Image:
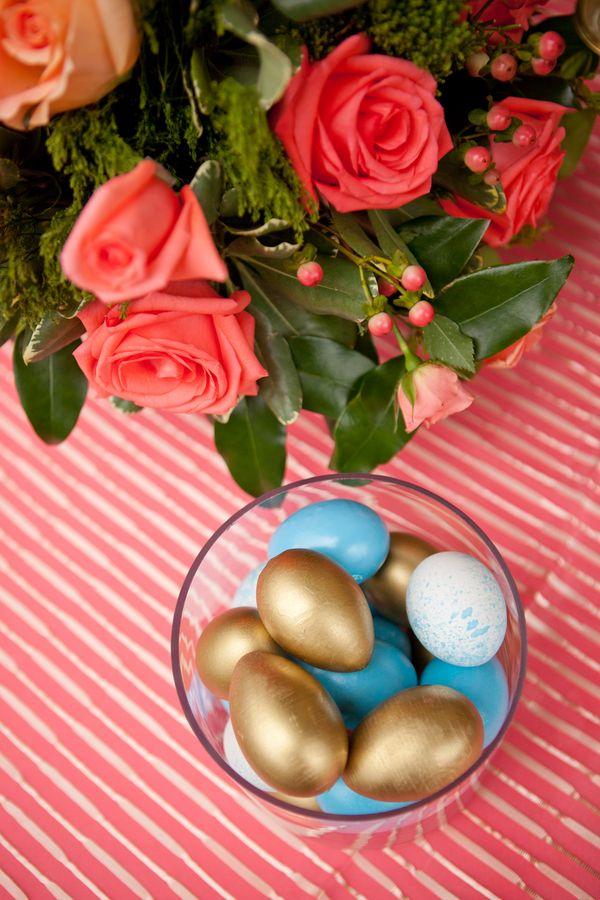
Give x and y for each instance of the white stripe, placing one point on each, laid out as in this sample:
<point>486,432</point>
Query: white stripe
<point>438,890</point>
<point>50,886</point>
<point>12,889</point>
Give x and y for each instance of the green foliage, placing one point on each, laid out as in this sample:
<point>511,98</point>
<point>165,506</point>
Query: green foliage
<point>253,160</point>
<point>252,443</point>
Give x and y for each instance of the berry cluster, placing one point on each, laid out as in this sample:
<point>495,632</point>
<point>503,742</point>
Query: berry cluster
<point>539,55</point>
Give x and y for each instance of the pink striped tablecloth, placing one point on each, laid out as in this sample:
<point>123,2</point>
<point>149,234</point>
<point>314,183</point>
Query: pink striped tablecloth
<point>104,789</point>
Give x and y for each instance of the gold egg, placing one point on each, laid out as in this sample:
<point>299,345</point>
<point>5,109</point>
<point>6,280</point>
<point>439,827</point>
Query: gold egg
<point>288,727</point>
<point>587,23</point>
<point>387,588</point>
<point>303,802</point>
<point>315,610</point>
<point>224,641</point>
<point>414,744</point>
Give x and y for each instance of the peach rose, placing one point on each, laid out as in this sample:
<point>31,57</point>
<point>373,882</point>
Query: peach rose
<point>60,54</point>
<point>135,235</point>
<point>185,349</point>
<point>364,130</point>
<point>438,393</point>
<point>527,175</point>
<point>511,356</point>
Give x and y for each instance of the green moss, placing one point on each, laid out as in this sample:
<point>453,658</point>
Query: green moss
<point>254,161</point>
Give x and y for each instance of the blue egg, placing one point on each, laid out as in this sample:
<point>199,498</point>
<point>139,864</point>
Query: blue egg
<point>348,532</point>
<point>246,592</point>
<point>392,634</point>
<point>357,693</point>
<point>485,686</point>
<point>341,800</point>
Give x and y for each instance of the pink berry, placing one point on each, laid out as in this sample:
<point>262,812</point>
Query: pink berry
<point>551,45</point>
<point>309,274</point>
<point>524,136</point>
<point>477,159</point>
<point>542,66</point>
<point>386,287</point>
<point>413,278</point>
<point>504,67</point>
<point>421,314</point>
<point>380,324</point>
<point>476,62</point>
<point>492,177</point>
<point>498,118</point>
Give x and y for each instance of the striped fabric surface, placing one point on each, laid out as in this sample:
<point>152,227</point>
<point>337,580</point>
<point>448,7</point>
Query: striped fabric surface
<point>105,791</point>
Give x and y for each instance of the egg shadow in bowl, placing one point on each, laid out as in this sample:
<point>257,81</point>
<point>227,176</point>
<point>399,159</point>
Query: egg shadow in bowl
<point>240,544</point>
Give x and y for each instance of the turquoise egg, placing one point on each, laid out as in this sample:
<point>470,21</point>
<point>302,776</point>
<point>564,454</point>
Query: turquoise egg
<point>341,800</point>
<point>348,532</point>
<point>485,686</point>
<point>392,634</point>
<point>357,693</point>
<point>246,592</point>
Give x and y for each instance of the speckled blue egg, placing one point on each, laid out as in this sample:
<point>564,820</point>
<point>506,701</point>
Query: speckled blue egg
<point>341,800</point>
<point>391,633</point>
<point>246,592</point>
<point>238,762</point>
<point>485,686</point>
<point>357,693</point>
<point>348,532</point>
<point>456,608</point>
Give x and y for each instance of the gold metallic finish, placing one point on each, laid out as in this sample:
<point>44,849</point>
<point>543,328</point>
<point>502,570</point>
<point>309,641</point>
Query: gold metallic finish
<point>224,641</point>
<point>288,727</point>
<point>387,588</point>
<point>587,23</point>
<point>414,744</point>
<point>303,802</point>
<point>315,610</point>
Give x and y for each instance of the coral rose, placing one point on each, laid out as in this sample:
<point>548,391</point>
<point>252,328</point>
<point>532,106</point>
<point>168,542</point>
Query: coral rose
<point>527,175</point>
<point>185,349</point>
<point>365,131</point>
<point>60,54</point>
<point>437,392</point>
<point>507,13</point>
<point>511,356</point>
<point>135,235</point>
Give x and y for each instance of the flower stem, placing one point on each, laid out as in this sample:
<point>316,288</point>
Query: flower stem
<point>411,360</point>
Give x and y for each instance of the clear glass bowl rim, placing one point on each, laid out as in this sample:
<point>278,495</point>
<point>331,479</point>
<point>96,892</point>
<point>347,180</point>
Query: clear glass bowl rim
<point>268,798</point>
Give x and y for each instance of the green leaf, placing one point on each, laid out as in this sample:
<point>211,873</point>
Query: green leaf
<point>390,243</point>
<point>259,230</point>
<point>348,228</point>
<point>368,432</point>
<point>9,174</point>
<point>339,293</point>
<point>578,126</point>
<point>207,185</point>
<point>287,318</point>
<point>50,335</point>
<point>578,65</point>
<point>498,306</point>
<point>444,245</point>
<point>51,391</point>
<point>327,372</point>
<point>250,246</point>
<point>275,68</point>
<point>422,206</point>
<point>445,342</point>
<point>201,81</point>
<point>301,10</point>
<point>453,175</point>
<point>252,443</point>
<point>365,345</point>
<point>7,328</point>
<point>281,390</point>
<point>550,88</point>
<point>125,406</point>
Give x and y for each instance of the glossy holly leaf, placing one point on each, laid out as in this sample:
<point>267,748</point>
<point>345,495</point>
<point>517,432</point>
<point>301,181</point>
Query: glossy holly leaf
<point>444,245</point>
<point>445,342</point>
<point>286,317</point>
<point>453,175</point>
<point>327,372</point>
<point>422,206</point>
<point>578,126</point>
<point>350,231</point>
<point>340,292</point>
<point>252,443</point>
<point>368,432</point>
<point>390,242</point>
<point>207,185</point>
<point>52,391</point>
<point>50,335</point>
<point>550,88</point>
<point>301,10</point>
<point>282,389</point>
<point>498,306</point>
<point>125,406</point>
<point>365,345</point>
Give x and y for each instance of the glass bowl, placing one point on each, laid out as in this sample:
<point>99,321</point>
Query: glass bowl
<point>240,544</point>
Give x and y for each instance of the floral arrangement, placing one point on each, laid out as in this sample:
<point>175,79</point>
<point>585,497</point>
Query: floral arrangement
<point>245,211</point>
